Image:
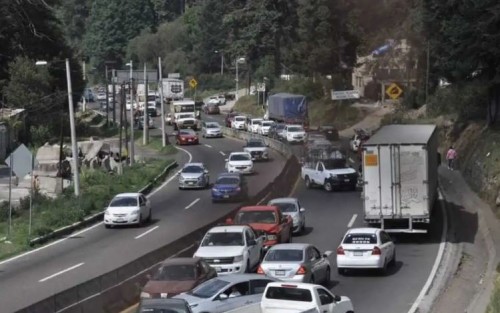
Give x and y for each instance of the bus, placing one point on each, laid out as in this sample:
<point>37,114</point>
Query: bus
<point>183,114</point>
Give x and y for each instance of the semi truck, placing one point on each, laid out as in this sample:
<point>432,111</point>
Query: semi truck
<point>399,166</point>
<point>287,108</point>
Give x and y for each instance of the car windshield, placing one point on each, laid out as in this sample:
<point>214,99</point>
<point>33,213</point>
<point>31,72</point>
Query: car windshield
<point>185,116</point>
<point>209,288</point>
<point>295,129</point>
<point>280,126</point>
<point>255,143</point>
<point>290,294</point>
<point>227,181</point>
<point>193,169</point>
<point>212,126</point>
<point>239,157</point>
<point>187,132</point>
<point>360,239</point>
<point>124,201</point>
<point>285,207</point>
<point>263,217</point>
<point>288,255</point>
<point>267,123</point>
<point>181,272</point>
<point>223,239</point>
<point>240,119</point>
<point>333,164</point>
<point>257,122</point>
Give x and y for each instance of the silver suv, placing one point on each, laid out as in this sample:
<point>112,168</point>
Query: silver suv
<point>194,175</point>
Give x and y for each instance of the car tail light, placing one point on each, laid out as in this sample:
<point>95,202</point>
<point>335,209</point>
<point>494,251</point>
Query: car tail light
<point>301,271</point>
<point>260,270</point>
<point>376,251</point>
<point>289,286</point>
<point>340,251</point>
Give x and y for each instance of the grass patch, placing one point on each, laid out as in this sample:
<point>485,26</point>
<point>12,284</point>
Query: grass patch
<point>248,105</point>
<point>97,188</point>
<point>155,143</point>
<point>494,305</point>
<point>327,112</point>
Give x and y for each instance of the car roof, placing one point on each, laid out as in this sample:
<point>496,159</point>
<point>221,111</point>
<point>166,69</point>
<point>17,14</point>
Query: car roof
<point>239,152</point>
<point>163,301</point>
<point>258,208</point>
<point>178,261</point>
<point>292,246</point>
<point>128,194</point>
<point>295,125</point>
<point>284,200</point>
<point>236,175</point>
<point>236,278</point>
<point>228,228</point>
<point>241,116</point>
<point>255,139</point>
<point>363,230</point>
<point>194,164</point>
<point>257,118</point>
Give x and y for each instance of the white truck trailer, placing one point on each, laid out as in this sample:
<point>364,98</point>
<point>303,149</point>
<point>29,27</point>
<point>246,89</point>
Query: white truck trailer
<point>400,177</point>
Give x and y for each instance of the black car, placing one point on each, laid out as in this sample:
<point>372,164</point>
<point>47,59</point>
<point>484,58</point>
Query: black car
<point>164,305</point>
<point>330,132</point>
<point>275,129</point>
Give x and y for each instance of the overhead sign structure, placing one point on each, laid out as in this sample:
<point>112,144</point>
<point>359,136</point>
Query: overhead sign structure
<point>345,94</point>
<point>193,83</point>
<point>123,76</point>
<point>394,91</point>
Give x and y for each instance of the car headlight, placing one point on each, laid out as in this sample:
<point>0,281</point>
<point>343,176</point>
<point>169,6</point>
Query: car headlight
<point>106,212</point>
<point>145,295</point>
<point>134,212</point>
<point>238,258</point>
<point>200,178</point>
<point>215,190</point>
<point>271,237</point>
<point>295,219</point>
<point>181,178</point>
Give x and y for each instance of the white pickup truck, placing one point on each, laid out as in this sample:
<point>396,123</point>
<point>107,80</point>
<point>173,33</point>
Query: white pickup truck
<point>330,174</point>
<point>280,297</point>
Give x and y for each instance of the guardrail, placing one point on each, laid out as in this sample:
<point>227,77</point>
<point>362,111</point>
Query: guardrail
<point>98,216</point>
<point>120,288</point>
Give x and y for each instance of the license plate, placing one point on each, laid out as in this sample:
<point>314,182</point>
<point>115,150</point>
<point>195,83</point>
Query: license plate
<point>120,220</point>
<point>191,183</point>
<point>190,139</point>
<point>226,196</point>
<point>347,180</point>
<point>218,269</point>
<point>163,295</point>
<point>280,273</point>
<point>358,253</point>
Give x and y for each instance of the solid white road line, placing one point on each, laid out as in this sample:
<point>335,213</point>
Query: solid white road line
<point>208,146</point>
<point>222,153</point>
<point>93,226</point>
<point>61,272</point>
<point>351,222</point>
<point>192,203</point>
<point>437,262</point>
<point>146,232</point>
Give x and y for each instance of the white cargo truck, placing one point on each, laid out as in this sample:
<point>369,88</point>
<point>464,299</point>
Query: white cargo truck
<point>400,177</point>
<point>173,89</point>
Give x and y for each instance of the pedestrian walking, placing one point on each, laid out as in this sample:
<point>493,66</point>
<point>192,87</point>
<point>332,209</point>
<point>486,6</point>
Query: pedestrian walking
<point>451,156</point>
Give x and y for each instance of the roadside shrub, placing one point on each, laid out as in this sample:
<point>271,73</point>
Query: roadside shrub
<point>215,82</point>
<point>39,135</point>
<point>468,101</point>
<point>313,90</point>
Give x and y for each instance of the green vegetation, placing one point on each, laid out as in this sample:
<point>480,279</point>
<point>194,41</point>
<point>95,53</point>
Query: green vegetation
<point>494,305</point>
<point>248,105</point>
<point>326,112</point>
<point>97,189</point>
<point>155,143</point>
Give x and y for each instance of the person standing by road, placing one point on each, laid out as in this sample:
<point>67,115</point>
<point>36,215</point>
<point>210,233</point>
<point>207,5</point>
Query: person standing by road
<point>451,155</point>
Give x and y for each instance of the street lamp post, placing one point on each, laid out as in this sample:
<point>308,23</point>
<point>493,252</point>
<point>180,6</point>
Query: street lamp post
<point>131,86</point>
<point>221,61</point>
<point>238,60</point>
<point>74,144</point>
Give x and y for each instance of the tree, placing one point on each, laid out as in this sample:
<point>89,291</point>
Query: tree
<point>73,15</point>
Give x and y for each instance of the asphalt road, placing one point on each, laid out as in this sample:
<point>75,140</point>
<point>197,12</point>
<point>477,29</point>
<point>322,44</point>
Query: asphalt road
<point>84,255</point>
<point>329,215</point>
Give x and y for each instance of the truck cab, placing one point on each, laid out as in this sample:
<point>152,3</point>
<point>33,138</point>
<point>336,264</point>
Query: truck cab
<point>302,297</point>
<point>331,174</point>
<point>268,219</point>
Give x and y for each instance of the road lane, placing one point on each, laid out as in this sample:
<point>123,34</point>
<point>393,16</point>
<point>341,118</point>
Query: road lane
<point>103,250</point>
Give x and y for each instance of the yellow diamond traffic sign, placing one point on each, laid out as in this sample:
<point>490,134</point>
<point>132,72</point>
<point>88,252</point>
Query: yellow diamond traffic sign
<point>393,91</point>
<point>193,83</point>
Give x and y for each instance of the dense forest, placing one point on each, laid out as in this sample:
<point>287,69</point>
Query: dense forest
<point>457,39</point>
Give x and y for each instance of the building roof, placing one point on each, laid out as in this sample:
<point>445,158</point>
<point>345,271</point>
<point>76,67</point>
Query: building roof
<point>8,113</point>
<point>402,134</point>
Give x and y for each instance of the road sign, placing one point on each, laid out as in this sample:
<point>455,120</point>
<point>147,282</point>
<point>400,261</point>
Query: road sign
<point>174,75</point>
<point>193,83</point>
<point>261,87</point>
<point>345,94</point>
<point>393,91</point>
<point>123,76</point>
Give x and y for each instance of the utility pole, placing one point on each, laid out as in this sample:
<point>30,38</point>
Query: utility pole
<point>427,73</point>
<point>122,93</point>
<point>74,145</point>
<point>107,96</point>
<point>160,82</point>
<point>131,85</point>
<point>222,63</point>
<point>114,97</point>
<point>236,93</point>
<point>11,165</point>
<point>145,130</point>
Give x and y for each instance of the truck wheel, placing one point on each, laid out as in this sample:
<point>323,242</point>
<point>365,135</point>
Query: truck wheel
<point>248,269</point>
<point>327,277</point>
<point>308,183</point>
<point>328,185</point>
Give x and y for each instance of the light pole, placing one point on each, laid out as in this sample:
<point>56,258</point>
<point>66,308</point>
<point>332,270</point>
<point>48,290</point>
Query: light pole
<point>130,64</point>
<point>74,144</point>
<point>221,61</point>
<point>160,82</point>
<point>238,60</point>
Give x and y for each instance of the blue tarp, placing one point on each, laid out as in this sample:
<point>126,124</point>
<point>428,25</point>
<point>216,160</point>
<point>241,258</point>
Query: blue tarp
<point>284,106</point>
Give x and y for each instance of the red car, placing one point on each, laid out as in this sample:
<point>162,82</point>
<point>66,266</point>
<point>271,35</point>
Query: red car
<point>187,137</point>
<point>268,219</point>
<point>229,118</point>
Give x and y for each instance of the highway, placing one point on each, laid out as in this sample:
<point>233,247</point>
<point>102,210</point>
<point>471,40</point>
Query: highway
<point>34,276</point>
<point>329,215</point>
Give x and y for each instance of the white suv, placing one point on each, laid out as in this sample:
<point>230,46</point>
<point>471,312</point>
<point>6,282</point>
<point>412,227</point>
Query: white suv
<point>239,122</point>
<point>239,162</point>
<point>253,125</point>
<point>264,127</point>
<point>294,133</point>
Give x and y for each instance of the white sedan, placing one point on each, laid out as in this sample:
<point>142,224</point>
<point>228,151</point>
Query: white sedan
<point>128,209</point>
<point>239,162</point>
<point>366,248</point>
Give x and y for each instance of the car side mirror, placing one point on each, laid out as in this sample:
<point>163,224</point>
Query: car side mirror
<point>223,296</point>
<point>337,298</point>
<point>252,242</point>
<point>327,254</point>
<point>226,160</point>
<point>206,171</point>
<point>302,210</point>
<point>229,220</point>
